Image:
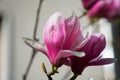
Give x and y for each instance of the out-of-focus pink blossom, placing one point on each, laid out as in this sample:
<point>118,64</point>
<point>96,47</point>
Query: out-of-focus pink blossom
<point>109,9</point>
<point>62,37</point>
<point>89,3</point>
<point>92,49</point>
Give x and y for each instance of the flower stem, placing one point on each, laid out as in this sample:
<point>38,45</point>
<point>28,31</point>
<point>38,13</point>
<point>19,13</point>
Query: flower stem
<point>74,77</point>
<point>44,69</point>
<point>54,70</point>
<point>34,37</point>
<point>81,15</point>
<point>49,77</point>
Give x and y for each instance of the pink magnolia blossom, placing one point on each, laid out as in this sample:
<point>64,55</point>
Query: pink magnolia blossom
<point>89,3</point>
<point>92,49</point>
<point>109,9</point>
<point>61,37</point>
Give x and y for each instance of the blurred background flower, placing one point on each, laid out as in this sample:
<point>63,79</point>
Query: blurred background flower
<point>109,9</point>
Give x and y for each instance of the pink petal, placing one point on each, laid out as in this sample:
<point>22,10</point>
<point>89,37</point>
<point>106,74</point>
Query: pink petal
<point>114,9</point>
<point>100,45</point>
<point>35,45</point>
<point>64,54</point>
<point>72,26</point>
<point>78,64</point>
<point>79,44</point>
<point>88,3</point>
<point>95,45</point>
<point>95,10</point>
<point>54,34</point>
<point>102,62</point>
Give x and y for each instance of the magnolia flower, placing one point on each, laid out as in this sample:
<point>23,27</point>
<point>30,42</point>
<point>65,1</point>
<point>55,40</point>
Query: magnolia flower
<point>92,49</point>
<point>61,37</point>
<point>109,9</point>
<point>89,3</point>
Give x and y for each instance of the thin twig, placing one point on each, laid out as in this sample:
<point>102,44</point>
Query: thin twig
<point>37,19</point>
<point>29,66</point>
<point>79,17</point>
<point>49,77</point>
<point>34,37</point>
<point>45,71</point>
<point>74,77</point>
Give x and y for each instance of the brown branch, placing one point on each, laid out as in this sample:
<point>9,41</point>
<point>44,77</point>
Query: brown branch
<point>37,19</point>
<point>34,37</point>
<point>74,77</point>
